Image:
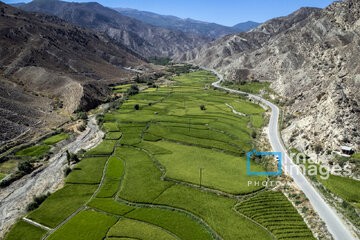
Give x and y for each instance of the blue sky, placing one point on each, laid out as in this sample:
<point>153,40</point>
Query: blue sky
<point>226,12</point>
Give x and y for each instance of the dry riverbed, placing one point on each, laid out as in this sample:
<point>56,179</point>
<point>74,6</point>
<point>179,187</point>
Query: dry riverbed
<point>48,178</point>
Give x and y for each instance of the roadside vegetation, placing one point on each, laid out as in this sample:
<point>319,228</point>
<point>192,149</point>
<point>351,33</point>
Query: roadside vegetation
<point>168,169</point>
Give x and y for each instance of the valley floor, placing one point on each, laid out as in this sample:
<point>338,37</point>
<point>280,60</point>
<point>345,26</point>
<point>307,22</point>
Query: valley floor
<point>172,166</point>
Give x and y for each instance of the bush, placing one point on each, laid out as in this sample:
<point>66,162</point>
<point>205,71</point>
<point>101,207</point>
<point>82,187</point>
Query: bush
<point>253,134</point>
<point>25,167</point>
<point>318,148</point>
<point>82,127</point>
<point>82,115</point>
<point>133,90</point>
<point>67,171</point>
<point>36,202</point>
<point>202,107</point>
<point>137,107</point>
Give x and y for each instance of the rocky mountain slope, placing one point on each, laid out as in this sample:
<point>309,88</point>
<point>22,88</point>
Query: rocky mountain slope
<point>187,25</point>
<point>312,58</point>
<point>246,26</point>
<point>49,68</point>
<point>142,38</point>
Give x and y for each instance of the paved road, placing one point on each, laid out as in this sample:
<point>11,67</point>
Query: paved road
<point>334,223</point>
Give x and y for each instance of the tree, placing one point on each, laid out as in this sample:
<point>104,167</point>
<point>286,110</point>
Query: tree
<point>74,158</point>
<point>202,107</point>
<point>133,90</point>
<point>68,157</point>
<point>25,167</point>
<point>253,134</point>
<point>82,115</point>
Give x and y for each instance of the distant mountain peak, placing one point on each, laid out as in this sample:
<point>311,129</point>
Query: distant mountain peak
<point>186,25</point>
<point>246,26</point>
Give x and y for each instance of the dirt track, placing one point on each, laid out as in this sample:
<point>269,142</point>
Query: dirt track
<point>48,178</point>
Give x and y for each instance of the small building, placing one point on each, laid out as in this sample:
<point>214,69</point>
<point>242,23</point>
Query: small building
<point>347,150</point>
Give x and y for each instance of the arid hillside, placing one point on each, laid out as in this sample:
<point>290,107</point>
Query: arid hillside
<point>50,68</point>
<point>312,58</point>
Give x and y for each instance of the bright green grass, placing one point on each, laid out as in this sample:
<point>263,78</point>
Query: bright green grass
<point>110,206</point>
<point>138,230</point>
<point>2,175</point>
<point>275,212</point>
<point>131,135</point>
<point>56,138</point>
<point>62,204</point>
<point>114,173</point>
<point>25,231</point>
<point>141,182</point>
<point>221,171</point>
<point>257,121</point>
<point>111,126</point>
<point>215,210</point>
<point>88,171</point>
<point>157,130</point>
<point>344,187</point>
<point>85,225</point>
<point>106,147</point>
<point>37,150</point>
<point>356,156</point>
<point>153,148</point>
<point>250,87</point>
<point>113,135</point>
<point>178,223</point>
<point>246,107</point>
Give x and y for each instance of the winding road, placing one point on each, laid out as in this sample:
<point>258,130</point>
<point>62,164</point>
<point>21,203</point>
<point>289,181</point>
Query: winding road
<point>333,221</point>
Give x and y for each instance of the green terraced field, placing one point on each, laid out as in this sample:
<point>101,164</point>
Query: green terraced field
<point>34,151</point>
<point>93,225</point>
<point>88,171</point>
<point>56,138</point>
<point>139,230</point>
<point>346,188</point>
<point>25,231</point>
<point>275,212</point>
<point>151,187</point>
<point>62,204</point>
<point>180,165</point>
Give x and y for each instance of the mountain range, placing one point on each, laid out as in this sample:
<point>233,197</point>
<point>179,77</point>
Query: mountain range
<point>187,25</point>
<point>142,38</point>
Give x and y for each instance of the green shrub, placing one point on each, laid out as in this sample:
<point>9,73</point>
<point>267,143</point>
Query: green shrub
<point>25,167</point>
<point>37,200</point>
<point>82,115</point>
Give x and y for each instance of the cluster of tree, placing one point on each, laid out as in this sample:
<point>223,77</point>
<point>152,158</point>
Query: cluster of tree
<point>133,90</point>
<point>24,168</point>
<point>164,61</point>
<point>186,68</point>
<point>36,202</point>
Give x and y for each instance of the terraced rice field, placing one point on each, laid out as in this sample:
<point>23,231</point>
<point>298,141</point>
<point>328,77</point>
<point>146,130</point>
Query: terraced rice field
<point>143,180</point>
<point>275,212</point>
